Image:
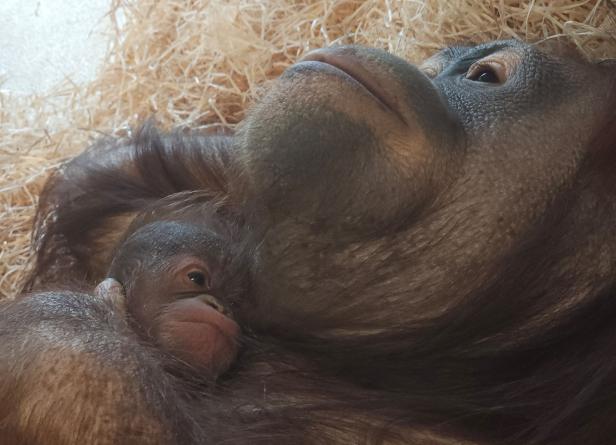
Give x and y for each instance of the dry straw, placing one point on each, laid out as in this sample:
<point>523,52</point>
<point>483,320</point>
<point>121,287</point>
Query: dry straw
<point>200,63</point>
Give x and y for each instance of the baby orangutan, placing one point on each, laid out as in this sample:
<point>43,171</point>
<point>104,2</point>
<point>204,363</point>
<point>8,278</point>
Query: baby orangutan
<point>177,281</point>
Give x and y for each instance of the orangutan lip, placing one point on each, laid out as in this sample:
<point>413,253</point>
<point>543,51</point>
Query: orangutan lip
<point>354,69</point>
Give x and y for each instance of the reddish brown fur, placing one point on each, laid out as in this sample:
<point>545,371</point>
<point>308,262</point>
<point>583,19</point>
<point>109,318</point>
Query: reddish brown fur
<point>434,261</point>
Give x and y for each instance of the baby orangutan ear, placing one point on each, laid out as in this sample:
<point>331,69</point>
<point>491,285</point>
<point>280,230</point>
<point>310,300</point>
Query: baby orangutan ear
<point>112,291</point>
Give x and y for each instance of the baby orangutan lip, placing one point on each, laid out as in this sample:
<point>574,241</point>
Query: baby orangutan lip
<point>354,68</point>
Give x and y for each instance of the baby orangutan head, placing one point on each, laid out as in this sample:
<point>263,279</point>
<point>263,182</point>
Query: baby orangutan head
<point>179,279</point>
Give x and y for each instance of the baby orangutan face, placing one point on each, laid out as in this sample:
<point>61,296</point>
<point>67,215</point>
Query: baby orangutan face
<point>172,275</point>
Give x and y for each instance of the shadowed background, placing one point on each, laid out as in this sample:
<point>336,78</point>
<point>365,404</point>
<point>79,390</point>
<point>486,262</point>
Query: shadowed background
<point>201,63</point>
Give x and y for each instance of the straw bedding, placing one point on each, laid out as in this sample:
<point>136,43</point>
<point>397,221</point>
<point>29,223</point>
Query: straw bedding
<point>201,63</point>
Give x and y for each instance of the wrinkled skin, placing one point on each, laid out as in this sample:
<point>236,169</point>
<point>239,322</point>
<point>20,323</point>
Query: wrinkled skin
<point>433,249</point>
<point>452,191</point>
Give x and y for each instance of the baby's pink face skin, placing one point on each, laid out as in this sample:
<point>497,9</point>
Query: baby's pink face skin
<point>197,332</point>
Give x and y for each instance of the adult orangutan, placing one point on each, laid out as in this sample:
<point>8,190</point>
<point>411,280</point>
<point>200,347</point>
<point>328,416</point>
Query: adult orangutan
<point>433,262</point>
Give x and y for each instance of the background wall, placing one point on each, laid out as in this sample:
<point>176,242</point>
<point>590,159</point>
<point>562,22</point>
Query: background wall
<point>43,42</point>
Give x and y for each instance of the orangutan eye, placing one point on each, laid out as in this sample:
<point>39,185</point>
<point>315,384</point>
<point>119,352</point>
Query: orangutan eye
<point>487,76</point>
<point>487,72</point>
<point>197,277</point>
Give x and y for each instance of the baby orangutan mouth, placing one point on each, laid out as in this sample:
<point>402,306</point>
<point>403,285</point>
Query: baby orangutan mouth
<point>199,331</point>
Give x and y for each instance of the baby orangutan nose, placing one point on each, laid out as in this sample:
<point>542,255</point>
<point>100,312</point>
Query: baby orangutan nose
<point>214,303</point>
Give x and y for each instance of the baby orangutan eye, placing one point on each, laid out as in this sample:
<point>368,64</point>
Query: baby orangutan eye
<point>197,277</point>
